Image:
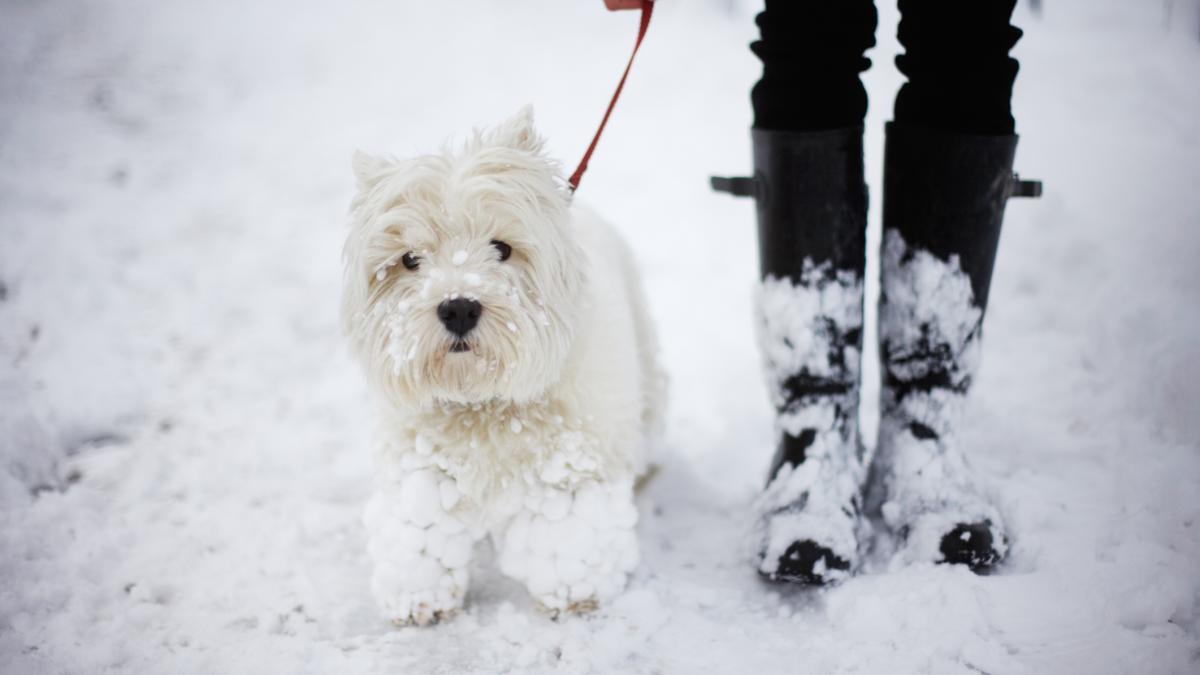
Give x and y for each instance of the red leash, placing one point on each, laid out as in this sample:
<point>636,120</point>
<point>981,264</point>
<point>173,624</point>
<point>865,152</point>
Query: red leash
<point>647,9</point>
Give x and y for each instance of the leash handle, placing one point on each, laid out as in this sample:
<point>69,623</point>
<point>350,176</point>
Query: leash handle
<point>647,9</point>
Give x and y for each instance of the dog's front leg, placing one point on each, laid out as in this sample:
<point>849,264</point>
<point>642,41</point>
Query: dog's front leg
<point>573,550</point>
<point>420,546</point>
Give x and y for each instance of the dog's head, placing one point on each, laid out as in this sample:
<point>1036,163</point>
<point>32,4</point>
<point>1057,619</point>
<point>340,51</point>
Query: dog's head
<point>462,273</point>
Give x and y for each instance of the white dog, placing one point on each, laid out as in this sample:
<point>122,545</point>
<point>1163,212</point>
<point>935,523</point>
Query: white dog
<point>504,332</point>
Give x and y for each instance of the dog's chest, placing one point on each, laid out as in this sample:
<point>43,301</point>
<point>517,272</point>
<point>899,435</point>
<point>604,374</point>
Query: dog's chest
<point>504,453</point>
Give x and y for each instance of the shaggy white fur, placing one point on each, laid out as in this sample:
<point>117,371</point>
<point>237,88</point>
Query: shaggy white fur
<point>536,430</point>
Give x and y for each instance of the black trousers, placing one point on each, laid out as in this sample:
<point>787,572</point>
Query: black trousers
<point>956,59</point>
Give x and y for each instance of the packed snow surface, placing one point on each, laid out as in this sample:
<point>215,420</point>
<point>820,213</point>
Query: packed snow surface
<point>184,440</point>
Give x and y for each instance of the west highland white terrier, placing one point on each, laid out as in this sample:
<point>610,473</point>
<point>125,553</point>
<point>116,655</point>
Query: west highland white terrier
<point>504,332</point>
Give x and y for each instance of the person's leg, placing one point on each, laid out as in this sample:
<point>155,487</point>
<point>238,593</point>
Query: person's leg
<point>812,54</point>
<point>812,206</point>
<point>956,58</point>
<point>947,175</point>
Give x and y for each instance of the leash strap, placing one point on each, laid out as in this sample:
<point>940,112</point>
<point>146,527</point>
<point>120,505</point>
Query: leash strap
<point>647,9</point>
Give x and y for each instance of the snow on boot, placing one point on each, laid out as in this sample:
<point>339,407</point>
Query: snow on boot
<point>812,207</point>
<point>944,197</point>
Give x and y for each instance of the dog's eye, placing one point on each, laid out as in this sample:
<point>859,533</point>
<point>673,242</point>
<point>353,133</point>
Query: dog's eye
<point>504,249</point>
<point>410,261</point>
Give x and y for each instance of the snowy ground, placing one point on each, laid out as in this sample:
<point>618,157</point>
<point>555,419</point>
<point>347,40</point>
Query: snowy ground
<point>183,438</point>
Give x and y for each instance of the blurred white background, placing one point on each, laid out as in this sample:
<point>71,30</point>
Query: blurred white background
<point>183,439</point>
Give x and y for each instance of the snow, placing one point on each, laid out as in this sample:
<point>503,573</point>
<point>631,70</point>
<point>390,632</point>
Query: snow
<point>792,319</point>
<point>929,305</point>
<point>173,188</point>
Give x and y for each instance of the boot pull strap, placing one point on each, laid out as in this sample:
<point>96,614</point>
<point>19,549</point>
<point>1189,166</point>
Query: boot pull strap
<point>739,186</point>
<point>1024,188</point>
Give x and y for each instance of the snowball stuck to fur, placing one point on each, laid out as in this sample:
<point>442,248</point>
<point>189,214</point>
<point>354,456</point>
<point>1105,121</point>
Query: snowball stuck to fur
<point>557,548</point>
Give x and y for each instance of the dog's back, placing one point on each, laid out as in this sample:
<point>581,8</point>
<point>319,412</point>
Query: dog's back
<point>616,351</point>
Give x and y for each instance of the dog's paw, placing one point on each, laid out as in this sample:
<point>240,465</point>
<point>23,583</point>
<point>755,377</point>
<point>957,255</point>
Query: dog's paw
<point>586,606</point>
<point>577,608</point>
<point>424,616</point>
<point>420,550</point>
<point>405,607</point>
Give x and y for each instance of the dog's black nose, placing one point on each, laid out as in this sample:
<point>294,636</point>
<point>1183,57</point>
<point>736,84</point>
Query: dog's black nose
<point>459,316</point>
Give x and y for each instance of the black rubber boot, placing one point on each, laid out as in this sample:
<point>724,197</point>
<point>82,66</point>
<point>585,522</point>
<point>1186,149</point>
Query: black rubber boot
<point>812,209</point>
<point>943,204</point>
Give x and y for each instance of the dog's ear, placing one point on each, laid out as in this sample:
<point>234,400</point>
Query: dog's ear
<point>518,132</point>
<point>368,169</point>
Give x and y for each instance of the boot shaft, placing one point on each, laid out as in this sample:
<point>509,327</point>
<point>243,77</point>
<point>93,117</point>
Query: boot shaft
<point>945,193</point>
<point>944,200</point>
<point>811,200</point>
<point>812,210</point>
